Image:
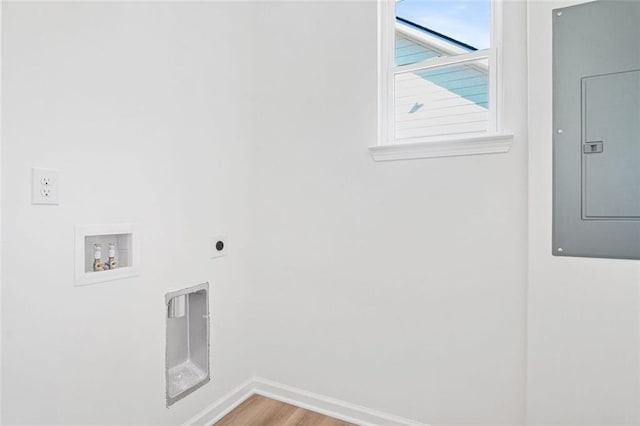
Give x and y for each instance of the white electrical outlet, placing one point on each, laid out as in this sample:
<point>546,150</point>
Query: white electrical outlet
<point>44,186</point>
<point>219,246</point>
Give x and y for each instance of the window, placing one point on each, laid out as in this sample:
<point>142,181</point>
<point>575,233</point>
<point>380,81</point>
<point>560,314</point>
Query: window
<point>439,90</point>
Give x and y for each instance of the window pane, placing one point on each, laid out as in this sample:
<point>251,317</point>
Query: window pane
<point>442,100</point>
<point>431,28</point>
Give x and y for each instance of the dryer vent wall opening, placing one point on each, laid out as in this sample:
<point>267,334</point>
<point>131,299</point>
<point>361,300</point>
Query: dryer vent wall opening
<point>187,350</point>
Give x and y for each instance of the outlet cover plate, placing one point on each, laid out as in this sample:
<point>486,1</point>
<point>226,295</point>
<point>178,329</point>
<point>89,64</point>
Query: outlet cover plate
<point>45,187</point>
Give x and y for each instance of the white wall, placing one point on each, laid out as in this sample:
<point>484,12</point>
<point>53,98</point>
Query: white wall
<point>398,286</point>
<point>143,109</point>
<point>583,323</point>
<point>1,201</point>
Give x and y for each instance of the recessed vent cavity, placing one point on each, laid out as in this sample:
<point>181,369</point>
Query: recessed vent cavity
<point>187,351</point>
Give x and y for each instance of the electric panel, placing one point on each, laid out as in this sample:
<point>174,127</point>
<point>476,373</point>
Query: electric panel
<point>611,150</point>
<point>596,134</point>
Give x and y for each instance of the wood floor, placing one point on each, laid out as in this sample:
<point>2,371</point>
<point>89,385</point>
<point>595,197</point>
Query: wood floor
<point>261,411</point>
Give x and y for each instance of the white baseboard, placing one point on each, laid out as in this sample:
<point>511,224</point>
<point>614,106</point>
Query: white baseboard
<point>328,406</point>
<point>222,406</point>
<point>311,401</point>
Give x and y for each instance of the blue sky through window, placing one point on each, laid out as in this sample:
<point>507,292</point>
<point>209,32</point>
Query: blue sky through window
<point>468,21</point>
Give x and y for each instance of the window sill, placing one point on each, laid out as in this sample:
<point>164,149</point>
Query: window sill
<point>491,143</point>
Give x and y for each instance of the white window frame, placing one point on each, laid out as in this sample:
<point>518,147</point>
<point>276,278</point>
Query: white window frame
<point>493,140</point>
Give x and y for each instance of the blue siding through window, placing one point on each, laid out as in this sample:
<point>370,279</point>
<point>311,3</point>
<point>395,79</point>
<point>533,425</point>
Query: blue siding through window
<point>468,81</point>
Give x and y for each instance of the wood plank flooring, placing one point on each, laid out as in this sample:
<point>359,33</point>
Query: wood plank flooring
<point>260,411</point>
